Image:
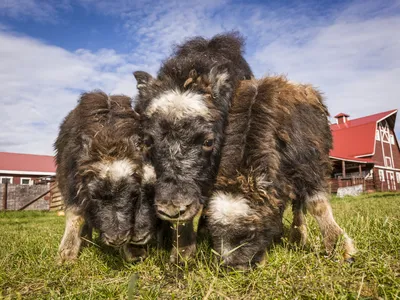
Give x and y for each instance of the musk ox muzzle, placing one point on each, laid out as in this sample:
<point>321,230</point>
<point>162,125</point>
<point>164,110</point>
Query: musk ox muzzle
<point>116,240</point>
<point>174,204</point>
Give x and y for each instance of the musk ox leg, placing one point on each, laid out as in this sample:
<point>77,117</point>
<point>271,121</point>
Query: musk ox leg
<point>184,237</point>
<point>298,230</point>
<point>133,253</point>
<point>318,205</point>
<point>71,241</point>
<point>87,232</point>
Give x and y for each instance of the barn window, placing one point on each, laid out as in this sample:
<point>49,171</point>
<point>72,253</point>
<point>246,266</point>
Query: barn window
<point>6,180</point>
<point>398,177</point>
<point>26,181</point>
<point>388,162</point>
<point>392,139</point>
<point>381,176</point>
<point>377,137</point>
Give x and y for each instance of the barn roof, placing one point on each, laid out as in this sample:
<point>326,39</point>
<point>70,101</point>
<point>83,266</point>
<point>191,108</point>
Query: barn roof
<point>356,138</point>
<point>17,163</point>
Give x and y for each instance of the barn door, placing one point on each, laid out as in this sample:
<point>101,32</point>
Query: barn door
<point>391,180</point>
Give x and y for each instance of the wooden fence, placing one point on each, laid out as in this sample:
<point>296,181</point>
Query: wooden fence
<point>30,197</point>
<point>368,184</point>
<point>56,202</point>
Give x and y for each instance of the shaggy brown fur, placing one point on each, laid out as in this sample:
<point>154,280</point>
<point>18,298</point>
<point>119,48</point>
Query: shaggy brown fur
<point>276,150</point>
<point>99,169</point>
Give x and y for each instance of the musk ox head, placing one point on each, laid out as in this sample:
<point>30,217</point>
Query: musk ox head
<point>110,166</point>
<point>183,132</point>
<point>112,189</point>
<point>183,114</point>
<point>242,231</point>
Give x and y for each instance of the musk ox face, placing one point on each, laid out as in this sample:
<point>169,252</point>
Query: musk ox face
<point>112,190</point>
<point>183,154</point>
<point>240,233</point>
<point>182,136</point>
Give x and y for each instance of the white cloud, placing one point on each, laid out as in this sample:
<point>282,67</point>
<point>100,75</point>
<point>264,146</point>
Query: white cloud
<point>39,10</point>
<point>354,61</point>
<point>351,51</point>
<point>153,27</point>
<point>41,83</point>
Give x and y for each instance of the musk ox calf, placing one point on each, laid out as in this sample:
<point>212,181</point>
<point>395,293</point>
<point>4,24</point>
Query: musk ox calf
<point>184,112</point>
<point>99,170</point>
<point>276,150</point>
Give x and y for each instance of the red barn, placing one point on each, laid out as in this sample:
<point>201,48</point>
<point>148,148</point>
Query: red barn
<point>366,150</point>
<point>16,168</point>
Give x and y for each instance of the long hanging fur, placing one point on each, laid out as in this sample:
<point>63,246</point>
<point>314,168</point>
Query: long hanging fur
<point>276,150</point>
<point>99,169</point>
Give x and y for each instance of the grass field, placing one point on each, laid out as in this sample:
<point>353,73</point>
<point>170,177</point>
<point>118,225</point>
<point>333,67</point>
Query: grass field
<point>29,241</point>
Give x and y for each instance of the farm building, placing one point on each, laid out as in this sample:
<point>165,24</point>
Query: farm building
<point>26,169</point>
<point>366,150</point>
<point>27,182</point>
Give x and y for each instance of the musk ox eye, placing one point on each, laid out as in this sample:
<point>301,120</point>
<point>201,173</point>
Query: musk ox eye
<point>136,176</point>
<point>208,144</point>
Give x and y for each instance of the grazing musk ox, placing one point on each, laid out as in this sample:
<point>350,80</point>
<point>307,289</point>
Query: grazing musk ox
<point>99,170</point>
<point>183,123</point>
<point>276,149</point>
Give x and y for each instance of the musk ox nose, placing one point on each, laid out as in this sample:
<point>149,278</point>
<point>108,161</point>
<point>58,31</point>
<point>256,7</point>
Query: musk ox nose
<point>142,239</point>
<point>171,211</point>
<point>116,240</point>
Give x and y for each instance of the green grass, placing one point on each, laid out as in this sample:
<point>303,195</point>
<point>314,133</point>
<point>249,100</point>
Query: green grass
<point>29,241</point>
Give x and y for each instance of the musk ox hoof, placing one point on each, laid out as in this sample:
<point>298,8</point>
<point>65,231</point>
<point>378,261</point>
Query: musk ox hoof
<point>183,254</point>
<point>298,235</point>
<point>133,253</point>
<point>66,256</point>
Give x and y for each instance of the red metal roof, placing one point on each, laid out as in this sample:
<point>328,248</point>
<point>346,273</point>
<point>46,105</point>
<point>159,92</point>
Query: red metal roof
<point>27,163</point>
<point>356,137</point>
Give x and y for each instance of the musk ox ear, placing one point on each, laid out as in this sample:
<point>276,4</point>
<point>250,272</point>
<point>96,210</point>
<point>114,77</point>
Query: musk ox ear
<point>192,77</point>
<point>136,115</point>
<point>142,78</point>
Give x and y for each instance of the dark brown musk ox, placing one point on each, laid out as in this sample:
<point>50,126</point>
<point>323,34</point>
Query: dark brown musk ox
<point>99,171</point>
<point>276,150</point>
<point>184,111</point>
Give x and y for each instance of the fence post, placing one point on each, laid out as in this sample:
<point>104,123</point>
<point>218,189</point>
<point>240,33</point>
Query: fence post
<point>5,192</point>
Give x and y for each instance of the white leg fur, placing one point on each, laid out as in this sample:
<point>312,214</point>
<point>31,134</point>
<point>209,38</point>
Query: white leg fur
<point>71,241</point>
<point>321,210</point>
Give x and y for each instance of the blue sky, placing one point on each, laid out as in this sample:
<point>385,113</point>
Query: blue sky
<point>53,50</point>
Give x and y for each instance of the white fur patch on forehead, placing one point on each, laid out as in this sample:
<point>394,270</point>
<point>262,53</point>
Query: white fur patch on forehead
<point>225,208</point>
<point>116,169</point>
<point>179,105</point>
